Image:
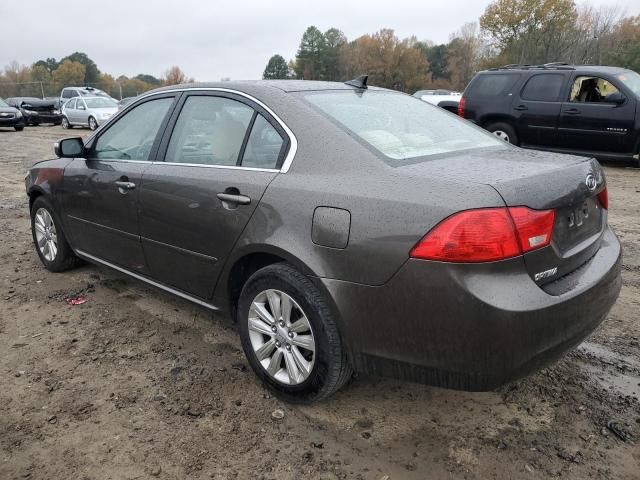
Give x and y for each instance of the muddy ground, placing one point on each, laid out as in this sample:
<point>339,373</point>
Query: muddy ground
<point>135,383</point>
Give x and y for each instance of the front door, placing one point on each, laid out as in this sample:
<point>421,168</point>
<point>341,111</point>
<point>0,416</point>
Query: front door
<point>221,156</point>
<point>538,109</point>
<point>589,121</point>
<point>101,190</point>
<point>70,111</point>
<point>81,112</point>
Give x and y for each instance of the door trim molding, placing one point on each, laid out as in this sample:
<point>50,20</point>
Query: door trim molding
<point>186,296</point>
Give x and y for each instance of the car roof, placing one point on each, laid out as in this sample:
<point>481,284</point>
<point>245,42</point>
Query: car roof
<point>558,66</point>
<point>282,85</point>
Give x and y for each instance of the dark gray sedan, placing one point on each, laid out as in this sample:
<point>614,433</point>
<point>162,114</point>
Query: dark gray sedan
<point>344,227</point>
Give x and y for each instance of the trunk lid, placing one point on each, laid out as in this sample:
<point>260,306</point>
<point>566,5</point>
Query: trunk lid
<point>538,180</point>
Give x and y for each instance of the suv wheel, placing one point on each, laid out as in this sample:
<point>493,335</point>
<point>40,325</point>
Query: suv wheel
<point>289,335</point>
<point>51,244</point>
<point>504,131</point>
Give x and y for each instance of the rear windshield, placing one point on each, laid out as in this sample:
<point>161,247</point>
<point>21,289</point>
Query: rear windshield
<point>399,126</point>
<point>100,103</point>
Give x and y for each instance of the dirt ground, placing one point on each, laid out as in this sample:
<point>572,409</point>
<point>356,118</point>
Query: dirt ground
<point>135,383</point>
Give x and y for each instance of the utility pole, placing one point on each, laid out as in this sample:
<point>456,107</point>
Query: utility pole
<point>42,90</point>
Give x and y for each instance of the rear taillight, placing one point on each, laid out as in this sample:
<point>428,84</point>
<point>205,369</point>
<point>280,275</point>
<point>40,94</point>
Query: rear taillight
<point>486,235</point>
<point>603,198</point>
<point>461,105</point>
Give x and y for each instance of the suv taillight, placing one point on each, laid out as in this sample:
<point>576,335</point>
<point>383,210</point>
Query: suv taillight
<point>461,105</point>
<point>486,235</point>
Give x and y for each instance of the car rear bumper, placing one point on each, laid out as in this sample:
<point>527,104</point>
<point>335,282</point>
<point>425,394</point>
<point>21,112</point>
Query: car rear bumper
<point>474,326</point>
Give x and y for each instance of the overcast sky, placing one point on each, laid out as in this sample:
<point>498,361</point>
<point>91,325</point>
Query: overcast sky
<point>214,39</point>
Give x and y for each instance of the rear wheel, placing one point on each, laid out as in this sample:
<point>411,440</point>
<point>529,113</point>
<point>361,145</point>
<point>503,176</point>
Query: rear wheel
<point>51,244</point>
<point>504,131</point>
<point>19,129</point>
<point>289,335</point>
<point>93,124</point>
<point>65,123</point>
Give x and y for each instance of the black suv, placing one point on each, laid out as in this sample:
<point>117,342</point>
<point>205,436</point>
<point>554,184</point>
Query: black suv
<point>581,109</point>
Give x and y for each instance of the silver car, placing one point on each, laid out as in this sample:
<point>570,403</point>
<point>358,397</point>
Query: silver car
<point>88,112</point>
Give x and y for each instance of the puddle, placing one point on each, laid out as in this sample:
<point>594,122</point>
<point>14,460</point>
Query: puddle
<point>611,370</point>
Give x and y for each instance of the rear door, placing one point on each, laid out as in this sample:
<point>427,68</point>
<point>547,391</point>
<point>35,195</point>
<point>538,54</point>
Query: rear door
<point>589,122</point>
<point>222,152</point>
<point>101,191</point>
<point>537,109</point>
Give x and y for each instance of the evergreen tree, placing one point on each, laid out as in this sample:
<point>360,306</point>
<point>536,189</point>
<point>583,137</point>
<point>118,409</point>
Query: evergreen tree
<point>276,68</point>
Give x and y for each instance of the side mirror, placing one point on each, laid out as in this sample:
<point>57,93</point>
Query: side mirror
<point>69,148</point>
<point>80,107</point>
<point>616,98</point>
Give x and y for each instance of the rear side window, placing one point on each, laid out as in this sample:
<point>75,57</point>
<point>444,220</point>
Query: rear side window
<point>543,88</point>
<point>264,145</point>
<point>493,84</point>
<point>209,131</point>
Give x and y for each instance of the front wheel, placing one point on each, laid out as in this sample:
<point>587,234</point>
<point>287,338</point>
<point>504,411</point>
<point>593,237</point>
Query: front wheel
<point>289,335</point>
<point>93,124</point>
<point>53,249</point>
<point>504,131</point>
<point>65,123</point>
<point>19,129</point>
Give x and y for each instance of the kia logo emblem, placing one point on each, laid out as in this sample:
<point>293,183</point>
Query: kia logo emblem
<point>591,182</point>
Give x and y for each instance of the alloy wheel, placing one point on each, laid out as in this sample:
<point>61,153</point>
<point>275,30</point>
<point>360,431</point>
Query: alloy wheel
<point>501,134</point>
<point>281,337</point>
<point>92,123</point>
<point>46,234</point>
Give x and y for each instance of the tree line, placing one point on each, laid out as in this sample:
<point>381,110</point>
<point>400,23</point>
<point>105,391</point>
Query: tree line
<point>509,32</point>
<point>47,78</point>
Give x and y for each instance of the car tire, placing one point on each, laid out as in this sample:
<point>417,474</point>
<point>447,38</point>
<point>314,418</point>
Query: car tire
<point>19,129</point>
<point>65,123</point>
<point>319,371</point>
<point>51,244</point>
<point>93,124</point>
<point>504,131</point>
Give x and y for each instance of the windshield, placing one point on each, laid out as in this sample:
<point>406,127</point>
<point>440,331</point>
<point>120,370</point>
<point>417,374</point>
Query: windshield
<point>100,103</point>
<point>631,80</point>
<point>399,126</point>
<point>3,103</point>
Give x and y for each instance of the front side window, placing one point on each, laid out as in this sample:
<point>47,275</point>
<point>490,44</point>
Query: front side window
<point>398,126</point>
<point>264,145</point>
<point>543,88</point>
<point>631,80</point>
<point>209,131</point>
<point>132,135</point>
<point>591,90</point>
<point>80,104</point>
<point>71,104</point>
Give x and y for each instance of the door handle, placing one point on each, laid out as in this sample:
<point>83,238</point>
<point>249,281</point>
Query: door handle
<point>572,111</point>
<point>234,199</point>
<point>123,185</point>
<point>521,107</point>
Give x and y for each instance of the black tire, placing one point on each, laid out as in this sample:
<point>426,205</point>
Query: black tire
<point>64,258</point>
<point>506,129</point>
<point>93,123</point>
<point>19,129</point>
<point>65,123</point>
<point>331,369</point>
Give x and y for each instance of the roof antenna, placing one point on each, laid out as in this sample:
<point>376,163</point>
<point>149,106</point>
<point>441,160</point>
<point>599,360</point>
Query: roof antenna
<point>360,82</point>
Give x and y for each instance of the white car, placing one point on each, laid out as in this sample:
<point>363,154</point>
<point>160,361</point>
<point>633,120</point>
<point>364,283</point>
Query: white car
<point>88,112</point>
<point>441,98</point>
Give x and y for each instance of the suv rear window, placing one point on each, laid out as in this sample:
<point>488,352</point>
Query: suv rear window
<point>492,84</point>
<point>399,126</point>
<point>543,88</point>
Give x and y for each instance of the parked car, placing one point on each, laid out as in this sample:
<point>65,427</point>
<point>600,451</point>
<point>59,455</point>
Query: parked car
<point>343,227</point>
<point>87,112</point>
<point>581,109</point>
<point>10,117</point>
<point>72,92</point>
<point>36,111</point>
<point>446,99</point>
